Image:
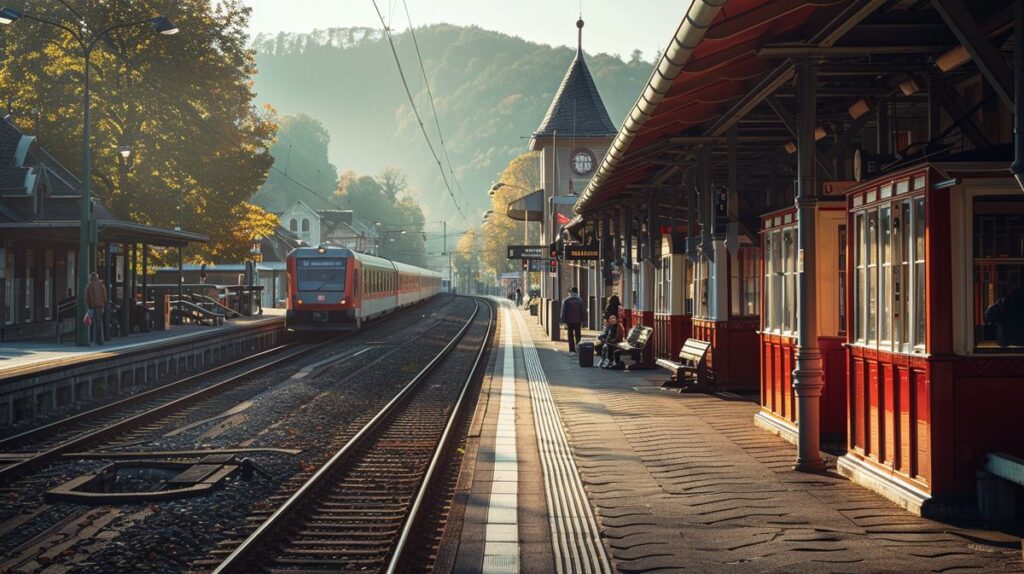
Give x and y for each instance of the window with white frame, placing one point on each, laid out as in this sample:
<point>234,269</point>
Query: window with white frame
<point>780,270</point>
<point>889,275</point>
<point>998,260</point>
<point>700,287</point>
<point>745,282</point>
<point>841,311</point>
<point>688,271</point>
<point>663,286</point>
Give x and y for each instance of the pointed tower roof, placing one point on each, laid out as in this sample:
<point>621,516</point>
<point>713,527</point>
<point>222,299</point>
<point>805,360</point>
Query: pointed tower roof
<point>577,110</point>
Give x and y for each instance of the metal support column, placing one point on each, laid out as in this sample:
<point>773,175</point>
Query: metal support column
<point>1017,168</point>
<point>808,376</point>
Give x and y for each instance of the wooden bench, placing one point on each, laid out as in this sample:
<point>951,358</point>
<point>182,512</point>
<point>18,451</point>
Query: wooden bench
<point>630,350</point>
<point>691,366</point>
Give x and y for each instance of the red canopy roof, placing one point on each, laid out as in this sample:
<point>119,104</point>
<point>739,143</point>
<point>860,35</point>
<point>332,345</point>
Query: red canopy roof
<point>722,68</point>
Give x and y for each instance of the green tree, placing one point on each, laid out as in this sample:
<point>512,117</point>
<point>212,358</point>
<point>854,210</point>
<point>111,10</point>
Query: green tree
<point>398,219</point>
<point>302,170</point>
<point>182,103</point>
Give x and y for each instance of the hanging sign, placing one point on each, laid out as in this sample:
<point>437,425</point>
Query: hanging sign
<point>526,252</point>
<point>582,252</point>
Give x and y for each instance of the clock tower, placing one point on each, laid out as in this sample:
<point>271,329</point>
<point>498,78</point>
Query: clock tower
<point>572,139</point>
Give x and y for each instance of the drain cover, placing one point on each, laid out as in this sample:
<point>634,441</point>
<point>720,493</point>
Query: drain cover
<point>147,480</point>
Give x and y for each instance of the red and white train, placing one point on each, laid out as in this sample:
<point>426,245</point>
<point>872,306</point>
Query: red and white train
<point>337,289</point>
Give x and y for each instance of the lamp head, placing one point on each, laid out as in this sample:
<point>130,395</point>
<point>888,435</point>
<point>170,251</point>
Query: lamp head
<point>124,151</point>
<point>8,15</point>
<point>164,26</point>
<point>496,187</point>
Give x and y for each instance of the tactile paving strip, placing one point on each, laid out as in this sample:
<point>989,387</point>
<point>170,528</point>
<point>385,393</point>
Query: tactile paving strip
<point>574,534</point>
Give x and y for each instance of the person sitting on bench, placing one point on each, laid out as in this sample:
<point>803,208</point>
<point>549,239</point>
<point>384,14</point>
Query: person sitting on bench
<point>609,338</point>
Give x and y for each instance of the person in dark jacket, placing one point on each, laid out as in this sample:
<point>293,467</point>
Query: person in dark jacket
<point>1007,314</point>
<point>609,338</point>
<point>612,307</point>
<point>573,315</point>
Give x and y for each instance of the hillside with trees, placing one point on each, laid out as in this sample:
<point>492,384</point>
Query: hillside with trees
<point>491,91</point>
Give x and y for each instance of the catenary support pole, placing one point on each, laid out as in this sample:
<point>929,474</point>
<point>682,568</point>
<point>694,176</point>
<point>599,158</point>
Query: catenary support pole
<point>808,376</point>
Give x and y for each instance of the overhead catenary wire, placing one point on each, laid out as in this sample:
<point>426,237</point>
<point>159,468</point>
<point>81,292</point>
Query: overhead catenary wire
<point>433,108</point>
<point>415,110</point>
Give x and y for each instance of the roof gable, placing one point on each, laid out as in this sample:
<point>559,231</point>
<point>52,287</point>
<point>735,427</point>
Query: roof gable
<point>299,208</point>
<point>577,109</point>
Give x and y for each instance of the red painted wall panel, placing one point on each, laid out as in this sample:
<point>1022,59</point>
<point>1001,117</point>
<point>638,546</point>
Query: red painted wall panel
<point>671,331</point>
<point>778,356</point>
<point>733,343</point>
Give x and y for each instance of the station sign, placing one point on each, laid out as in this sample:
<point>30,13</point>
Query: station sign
<point>582,252</point>
<point>527,252</point>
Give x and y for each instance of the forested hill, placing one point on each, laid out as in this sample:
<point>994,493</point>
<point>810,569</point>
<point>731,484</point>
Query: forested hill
<point>491,91</point>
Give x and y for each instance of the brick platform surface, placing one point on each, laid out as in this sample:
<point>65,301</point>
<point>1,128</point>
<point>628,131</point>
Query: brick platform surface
<point>686,482</point>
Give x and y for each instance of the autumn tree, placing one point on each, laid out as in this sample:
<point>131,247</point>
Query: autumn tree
<point>466,259</point>
<point>519,177</point>
<point>181,103</point>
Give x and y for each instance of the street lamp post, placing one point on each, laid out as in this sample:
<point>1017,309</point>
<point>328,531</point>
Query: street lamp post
<point>87,249</point>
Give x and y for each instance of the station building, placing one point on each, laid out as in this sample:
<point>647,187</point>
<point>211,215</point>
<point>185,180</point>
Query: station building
<point>40,214</point>
<point>823,191</point>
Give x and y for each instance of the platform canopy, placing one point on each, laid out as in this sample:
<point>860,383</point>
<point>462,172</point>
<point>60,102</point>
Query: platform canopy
<point>729,71</point>
<point>530,207</point>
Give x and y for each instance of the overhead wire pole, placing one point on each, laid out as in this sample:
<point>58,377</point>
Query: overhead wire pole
<point>416,112</point>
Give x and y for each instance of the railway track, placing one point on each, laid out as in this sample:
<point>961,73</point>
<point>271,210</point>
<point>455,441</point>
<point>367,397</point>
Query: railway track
<point>359,510</point>
<point>82,431</point>
<point>125,418</point>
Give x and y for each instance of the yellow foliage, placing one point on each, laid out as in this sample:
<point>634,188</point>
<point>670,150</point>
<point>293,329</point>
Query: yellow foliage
<point>520,177</point>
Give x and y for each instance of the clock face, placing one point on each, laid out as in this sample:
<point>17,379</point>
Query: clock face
<point>582,162</point>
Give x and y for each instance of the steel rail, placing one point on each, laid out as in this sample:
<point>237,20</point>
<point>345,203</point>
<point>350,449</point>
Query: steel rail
<point>256,542</point>
<point>12,441</point>
<point>442,446</point>
<point>82,439</point>
<point>79,441</point>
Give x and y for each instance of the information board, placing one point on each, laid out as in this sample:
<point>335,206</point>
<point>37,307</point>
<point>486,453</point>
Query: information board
<point>527,252</point>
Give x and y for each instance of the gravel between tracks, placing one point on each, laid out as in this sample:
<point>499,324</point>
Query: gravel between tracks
<point>313,414</point>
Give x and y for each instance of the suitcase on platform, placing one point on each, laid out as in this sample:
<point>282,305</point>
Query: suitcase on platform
<point>586,354</point>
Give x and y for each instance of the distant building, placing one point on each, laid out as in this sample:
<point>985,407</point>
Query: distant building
<point>330,226</point>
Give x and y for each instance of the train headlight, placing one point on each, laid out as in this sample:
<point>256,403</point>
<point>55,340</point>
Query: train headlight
<point>342,302</point>
<point>300,301</point>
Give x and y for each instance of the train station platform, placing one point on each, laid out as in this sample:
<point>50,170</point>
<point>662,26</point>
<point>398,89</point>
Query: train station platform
<point>572,469</point>
<point>40,378</point>
<point>23,357</point>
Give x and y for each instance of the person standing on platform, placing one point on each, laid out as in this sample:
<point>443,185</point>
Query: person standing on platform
<point>573,315</point>
<point>96,300</point>
<point>519,297</point>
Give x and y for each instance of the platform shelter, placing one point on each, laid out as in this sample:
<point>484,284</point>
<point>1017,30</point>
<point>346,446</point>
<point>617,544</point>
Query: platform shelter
<point>825,192</point>
<point>40,215</point>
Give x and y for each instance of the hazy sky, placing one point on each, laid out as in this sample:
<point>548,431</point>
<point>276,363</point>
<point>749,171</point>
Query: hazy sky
<point>612,26</point>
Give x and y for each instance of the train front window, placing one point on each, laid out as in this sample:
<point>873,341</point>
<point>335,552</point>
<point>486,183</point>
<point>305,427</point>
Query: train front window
<point>321,274</point>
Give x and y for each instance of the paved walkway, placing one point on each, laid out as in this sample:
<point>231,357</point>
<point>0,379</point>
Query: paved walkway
<point>25,356</point>
<point>688,483</point>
